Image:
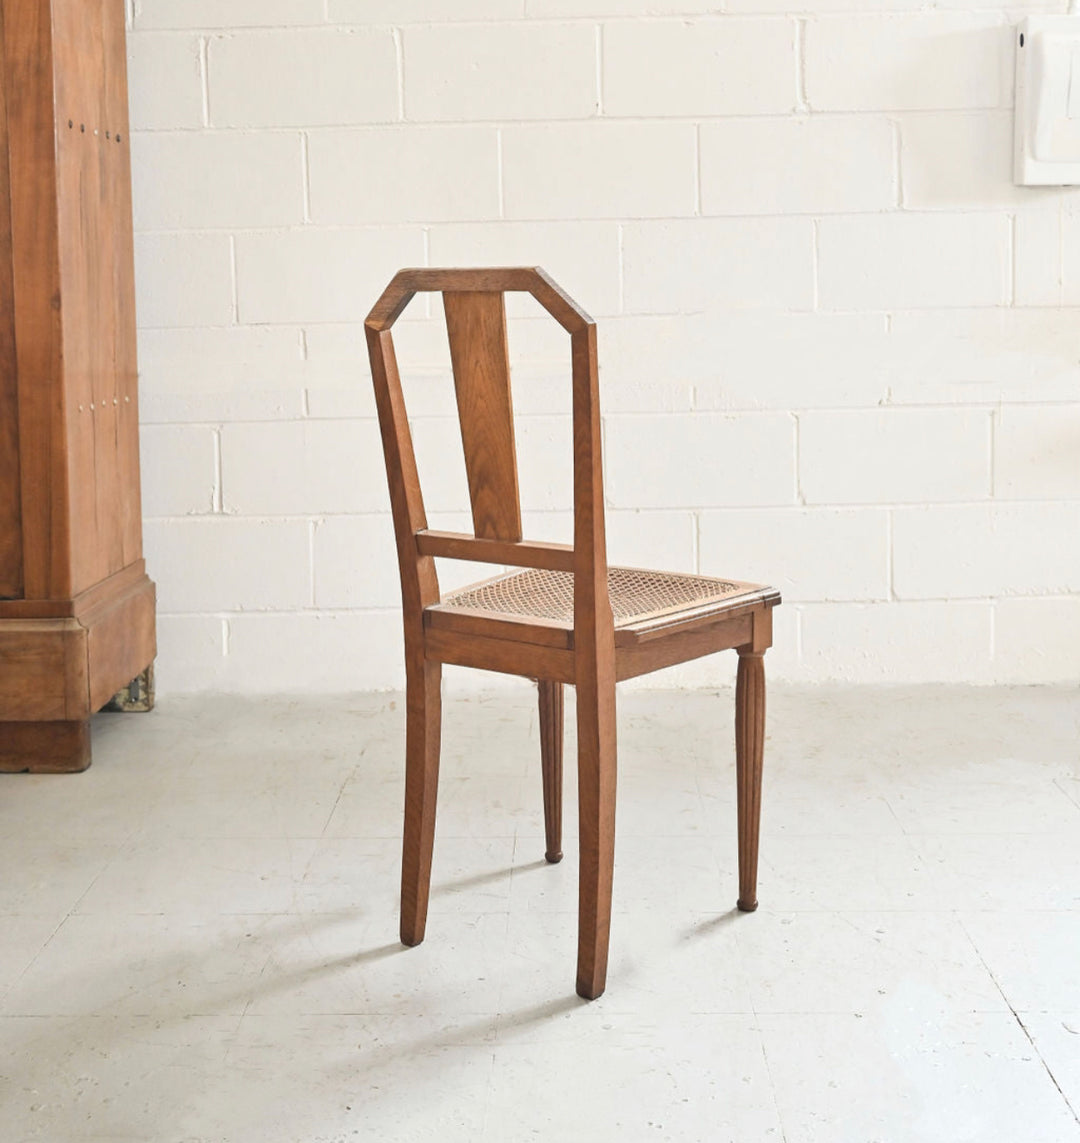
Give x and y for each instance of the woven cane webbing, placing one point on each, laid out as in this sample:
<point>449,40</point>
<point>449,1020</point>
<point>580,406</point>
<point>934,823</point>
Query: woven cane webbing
<point>634,594</point>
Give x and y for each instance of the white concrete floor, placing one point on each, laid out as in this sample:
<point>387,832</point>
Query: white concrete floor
<point>198,936</point>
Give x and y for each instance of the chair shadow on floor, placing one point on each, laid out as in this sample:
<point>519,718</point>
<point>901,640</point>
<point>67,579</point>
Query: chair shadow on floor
<point>492,877</point>
<point>225,977</point>
<point>711,924</point>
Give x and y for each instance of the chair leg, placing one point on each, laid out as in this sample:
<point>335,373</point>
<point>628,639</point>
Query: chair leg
<point>422,738</point>
<point>596,829</point>
<point>749,752</point>
<point>551,763</point>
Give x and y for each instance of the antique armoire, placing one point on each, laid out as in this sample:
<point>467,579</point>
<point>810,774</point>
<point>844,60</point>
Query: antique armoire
<point>76,607</point>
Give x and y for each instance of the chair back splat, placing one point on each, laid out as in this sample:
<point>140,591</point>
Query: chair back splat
<point>555,621</point>
<point>476,326</point>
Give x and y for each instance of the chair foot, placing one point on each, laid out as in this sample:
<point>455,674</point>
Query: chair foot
<point>747,906</point>
<point>553,858</point>
<point>587,990</point>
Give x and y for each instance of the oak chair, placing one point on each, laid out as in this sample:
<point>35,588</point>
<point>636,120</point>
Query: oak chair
<point>566,618</point>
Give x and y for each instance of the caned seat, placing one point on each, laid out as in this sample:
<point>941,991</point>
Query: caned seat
<point>565,618</point>
<point>643,603</point>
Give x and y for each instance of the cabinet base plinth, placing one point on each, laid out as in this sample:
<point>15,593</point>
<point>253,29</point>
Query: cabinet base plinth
<point>44,747</point>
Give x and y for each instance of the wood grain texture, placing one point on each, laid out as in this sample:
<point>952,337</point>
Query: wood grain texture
<point>476,327</point>
<point>121,641</point>
<point>51,669</point>
<point>419,588</point>
<point>45,487</point>
<point>82,603</point>
<point>515,279</point>
<point>594,656</point>
<point>97,279</point>
<point>526,554</point>
<point>508,657</point>
<point>749,755</point>
<point>642,658</point>
<point>72,267</point>
<point>423,701</point>
<point>11,558</point>
<point>469,621</point>
<point>551,765</point>
<point>419,583</point>
<point>44,747</point>
<point>45,671</point>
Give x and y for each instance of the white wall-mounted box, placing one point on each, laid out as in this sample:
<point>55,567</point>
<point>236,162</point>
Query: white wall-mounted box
<point>1048,101</point>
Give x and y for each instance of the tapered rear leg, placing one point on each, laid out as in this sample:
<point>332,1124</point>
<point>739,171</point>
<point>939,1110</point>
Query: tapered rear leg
<point>749,753</point>
<point>551,761</point>
<point>422,739</point>
<point>596,828</point>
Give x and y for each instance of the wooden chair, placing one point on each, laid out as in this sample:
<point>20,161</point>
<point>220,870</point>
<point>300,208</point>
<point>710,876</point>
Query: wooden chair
<point>566,618</point>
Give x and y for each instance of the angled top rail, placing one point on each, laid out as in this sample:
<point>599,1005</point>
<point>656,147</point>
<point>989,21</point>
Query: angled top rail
<point>505,279</point>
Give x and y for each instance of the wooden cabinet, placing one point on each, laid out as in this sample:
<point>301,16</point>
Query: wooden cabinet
<point>76,606</point>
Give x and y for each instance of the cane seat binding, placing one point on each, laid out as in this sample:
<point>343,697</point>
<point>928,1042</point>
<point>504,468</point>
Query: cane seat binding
<point>568,619</point>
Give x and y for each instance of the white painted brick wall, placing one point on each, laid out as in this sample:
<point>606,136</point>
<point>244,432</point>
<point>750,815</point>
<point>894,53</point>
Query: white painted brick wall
<point>217,180</point>
<point>718,264</point>
<point>808,164</point>
<point>318,77</point>
<point>839,349</point>
<point>179,469</point>
<point>599,170</point>
<point>504,71</point>
<point>186,278</point>
<point>167,71</point>
<point>906,456</point>
<point>742,458</point>
<point>428,174</point>
<point>302,468</point>
<point>699,67</point>
<point>912,261</point>
<point>317,274</point>
<point>984,551</point>
<point>910,61</point>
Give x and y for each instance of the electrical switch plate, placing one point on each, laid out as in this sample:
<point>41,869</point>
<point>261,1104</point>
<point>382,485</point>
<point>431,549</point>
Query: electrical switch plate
<point>1048,101</point>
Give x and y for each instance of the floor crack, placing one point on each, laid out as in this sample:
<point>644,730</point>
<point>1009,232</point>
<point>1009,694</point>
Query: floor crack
<point>1023,1027</point>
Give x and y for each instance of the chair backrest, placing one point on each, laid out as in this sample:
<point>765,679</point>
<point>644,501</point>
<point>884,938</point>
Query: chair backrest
<point>476,327</point>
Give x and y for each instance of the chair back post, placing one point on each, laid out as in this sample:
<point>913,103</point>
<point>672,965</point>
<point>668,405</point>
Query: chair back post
<point>594,625</point>
<point>419,580</point>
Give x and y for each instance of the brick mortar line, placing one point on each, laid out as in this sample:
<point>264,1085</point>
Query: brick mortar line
<point>696,413</point>
<point>412,224</point>
<point>701,511</point>
<point>698,116</point>
<point>979,17</point>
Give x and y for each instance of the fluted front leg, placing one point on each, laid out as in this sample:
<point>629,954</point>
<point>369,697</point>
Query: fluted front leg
<point>749,754</point>
<point>551,762</point>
